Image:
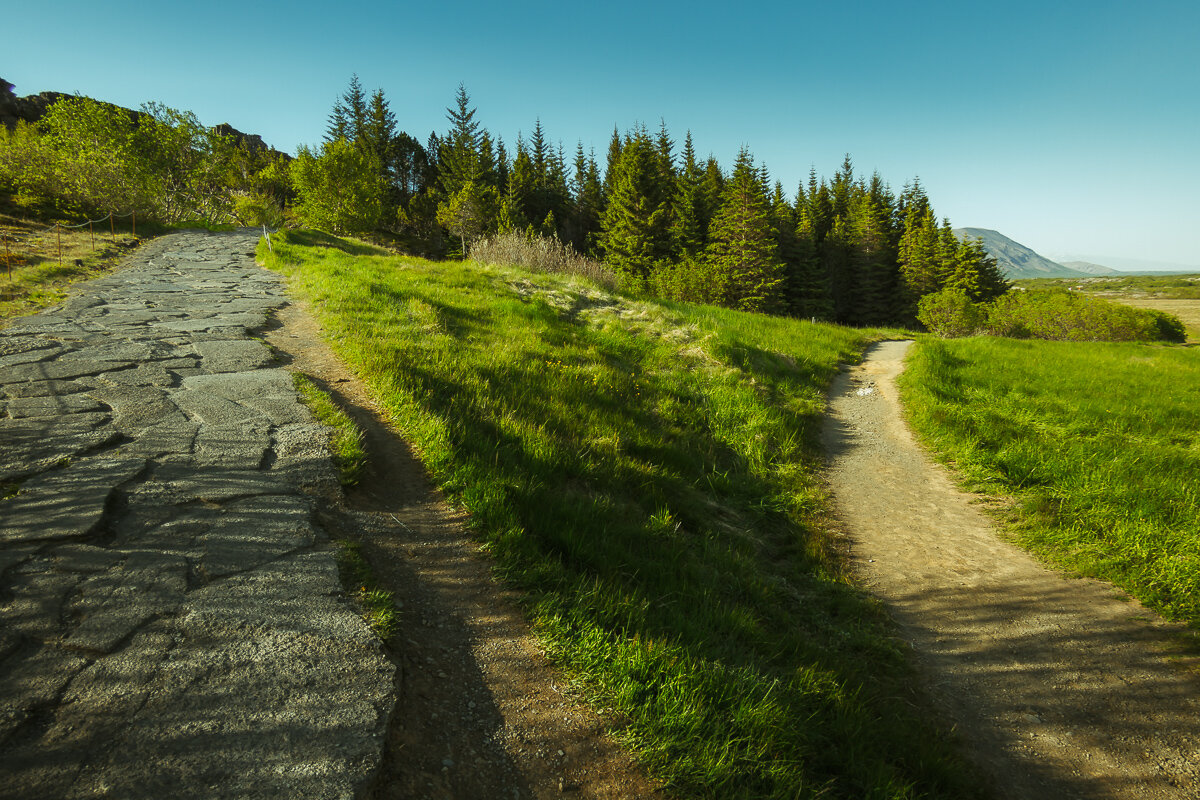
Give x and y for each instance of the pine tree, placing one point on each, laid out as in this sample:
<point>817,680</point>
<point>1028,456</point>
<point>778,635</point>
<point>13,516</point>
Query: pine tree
<point>874,255</point>
<point>615,145</point>
<point>636,234</point>
<point>587,201</point>
<point>742,247</point>
<point>690,221</point>
<point>918,251</point>
<point>458,153</point>
<point>713,188</point>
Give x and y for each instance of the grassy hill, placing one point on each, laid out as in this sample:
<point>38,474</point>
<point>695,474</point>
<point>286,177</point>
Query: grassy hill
<point>647,475</point>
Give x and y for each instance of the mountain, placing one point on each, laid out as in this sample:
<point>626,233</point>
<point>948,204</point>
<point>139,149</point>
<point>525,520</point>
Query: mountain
<point>1089,268</point>
<point>1015,259</point>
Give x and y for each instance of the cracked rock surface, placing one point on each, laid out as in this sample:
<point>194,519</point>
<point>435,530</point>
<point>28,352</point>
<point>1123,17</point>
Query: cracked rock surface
<point>171,619</point>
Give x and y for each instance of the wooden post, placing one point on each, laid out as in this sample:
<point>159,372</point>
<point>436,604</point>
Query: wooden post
<point>112,226</point>
<point>7,258</point>
<point>92,231</point>
<point>135,224</point>
<point>58,229</point>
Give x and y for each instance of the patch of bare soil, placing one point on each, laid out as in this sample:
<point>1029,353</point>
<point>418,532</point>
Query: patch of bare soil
<point>1059,687</point>
<point>481,713</point>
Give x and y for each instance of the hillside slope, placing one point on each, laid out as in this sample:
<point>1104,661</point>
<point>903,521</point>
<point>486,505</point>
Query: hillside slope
<point>1088,268</point>
<point>1015,259</point>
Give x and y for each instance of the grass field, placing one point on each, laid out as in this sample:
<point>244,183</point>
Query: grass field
<point>646,476</point>
<point>1099,444</point>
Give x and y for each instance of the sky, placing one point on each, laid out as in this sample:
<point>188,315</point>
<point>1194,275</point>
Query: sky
<point>1071,126</point>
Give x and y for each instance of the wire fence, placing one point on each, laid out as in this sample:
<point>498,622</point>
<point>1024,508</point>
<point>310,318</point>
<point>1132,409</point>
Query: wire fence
<point>59,227</point>
<point>90,224</point>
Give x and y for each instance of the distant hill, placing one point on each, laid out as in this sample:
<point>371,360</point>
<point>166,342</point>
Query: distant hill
<point>1088,268</point>
<point>1016,260</point>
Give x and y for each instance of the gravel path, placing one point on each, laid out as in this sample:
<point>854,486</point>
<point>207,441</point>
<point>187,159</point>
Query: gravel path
<point>1059,687</point>
<point>171,620</point>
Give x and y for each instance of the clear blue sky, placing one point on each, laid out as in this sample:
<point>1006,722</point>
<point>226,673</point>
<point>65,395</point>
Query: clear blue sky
<point>1070,126</point>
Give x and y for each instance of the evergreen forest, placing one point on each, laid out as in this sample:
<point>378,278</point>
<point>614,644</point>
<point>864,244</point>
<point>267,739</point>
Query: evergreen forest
<point>668,222</point>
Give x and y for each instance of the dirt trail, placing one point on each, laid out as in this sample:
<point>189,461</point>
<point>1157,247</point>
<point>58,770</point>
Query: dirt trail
<point>481,712</point>
<point>1059,687</point>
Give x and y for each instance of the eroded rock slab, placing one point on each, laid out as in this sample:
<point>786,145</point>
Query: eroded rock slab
<point>171,619</point>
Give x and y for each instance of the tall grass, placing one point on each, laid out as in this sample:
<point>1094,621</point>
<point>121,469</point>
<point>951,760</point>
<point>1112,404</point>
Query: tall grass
<point>540,254</point>
<point>646,476</point>
<point>1098,444</point>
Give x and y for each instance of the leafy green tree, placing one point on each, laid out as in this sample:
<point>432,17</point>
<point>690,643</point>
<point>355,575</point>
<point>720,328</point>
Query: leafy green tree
<point>742,242</point>
<point>469,213</point>
<point>184,163</point>
<point>93,163</point>
<point>337,189</point>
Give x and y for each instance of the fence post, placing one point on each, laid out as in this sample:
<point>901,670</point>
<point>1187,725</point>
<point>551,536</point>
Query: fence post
<point>58,229</point>
<point>112,226</point>
<point>7,258</point>
<point>92,231</point>
<point>134,224</point>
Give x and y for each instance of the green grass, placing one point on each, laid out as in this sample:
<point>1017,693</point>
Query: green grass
<point>647,476</point>
<point>1097,443</point>
<point>378,606</point>
<point>345,437</point>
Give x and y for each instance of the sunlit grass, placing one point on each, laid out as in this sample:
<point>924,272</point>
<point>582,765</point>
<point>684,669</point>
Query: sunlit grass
<point>1098,443</point>
<point>647,476</point>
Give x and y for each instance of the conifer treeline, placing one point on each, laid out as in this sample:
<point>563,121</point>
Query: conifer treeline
<point>846,249</point>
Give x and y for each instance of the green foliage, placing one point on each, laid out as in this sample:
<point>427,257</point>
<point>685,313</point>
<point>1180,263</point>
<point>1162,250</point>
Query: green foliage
<point>691,280</point>
<point>378,606</point>
<point>637,231</point>
<point>1070,316</point>
<point>338,189</point>
<point>648,477</point>
<point>257,209</point>
<point>468,213</point>
<point>950,313</point>
<point>90,158</point>
<point>1096,442</point>
<point>742,243</point>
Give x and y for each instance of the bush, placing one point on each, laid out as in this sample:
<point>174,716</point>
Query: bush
<point>949,313</point>
<point>693,280</point>
<point>1169,327</point>
<point>1060,315</point>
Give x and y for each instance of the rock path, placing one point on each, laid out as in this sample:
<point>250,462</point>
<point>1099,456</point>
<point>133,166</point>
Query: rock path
<point>171,619</point>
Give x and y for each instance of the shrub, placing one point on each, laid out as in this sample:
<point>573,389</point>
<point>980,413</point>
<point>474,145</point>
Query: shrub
<point>1169,327</point>
<point>693,280</point>
<point>1067,316</point>
<point>949,313</point>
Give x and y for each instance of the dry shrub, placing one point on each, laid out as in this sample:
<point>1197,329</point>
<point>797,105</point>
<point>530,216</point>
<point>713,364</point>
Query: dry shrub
<point>540,254</point>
